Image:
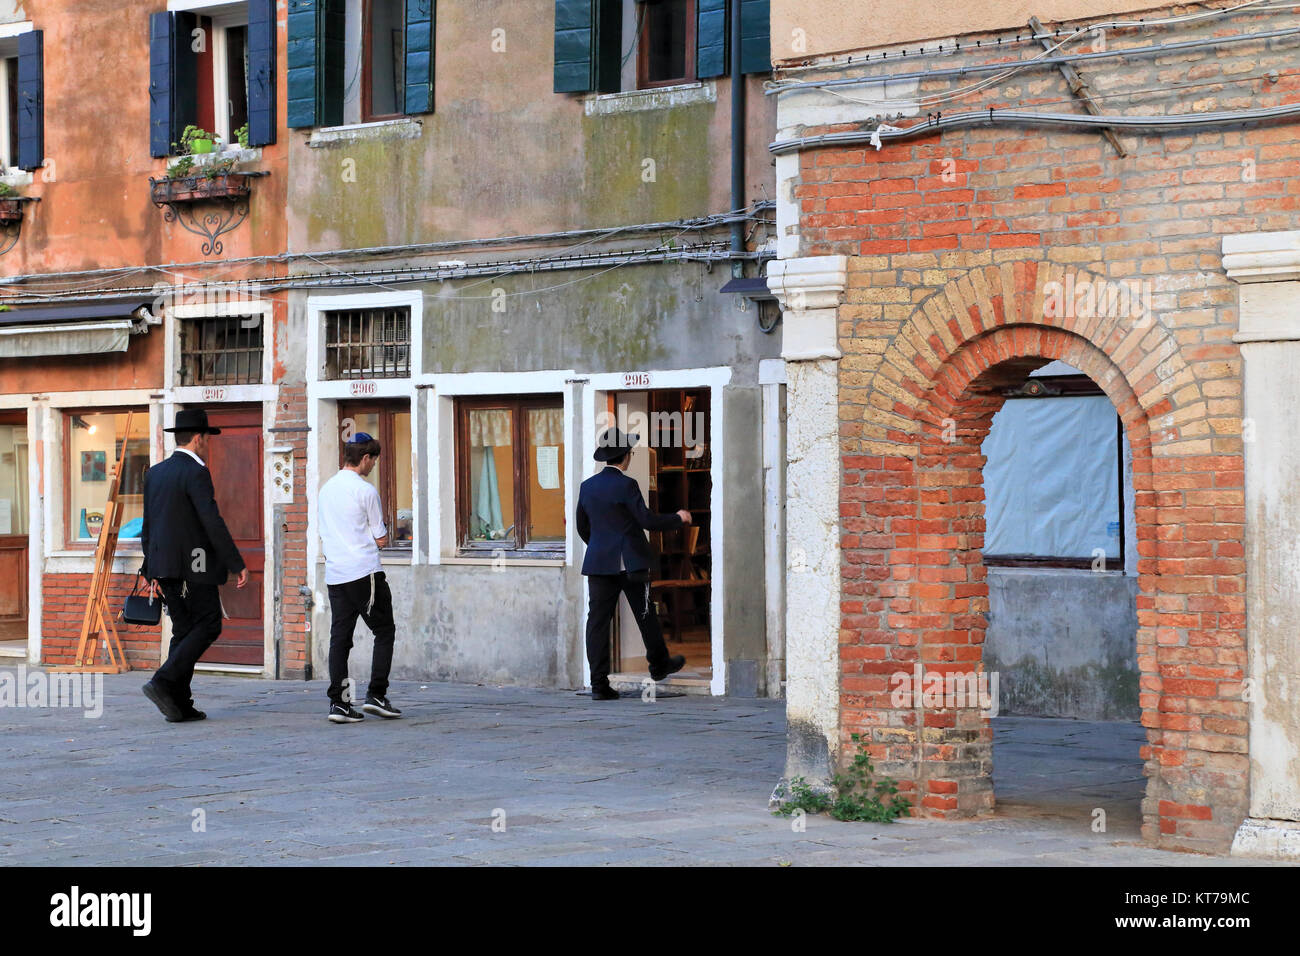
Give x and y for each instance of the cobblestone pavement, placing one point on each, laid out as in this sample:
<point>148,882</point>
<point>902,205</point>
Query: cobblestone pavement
<point>682,780</point>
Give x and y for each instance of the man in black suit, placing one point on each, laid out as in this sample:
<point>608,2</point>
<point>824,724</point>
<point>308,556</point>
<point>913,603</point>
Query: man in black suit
<point>188,554</point>
<point>612,521</point>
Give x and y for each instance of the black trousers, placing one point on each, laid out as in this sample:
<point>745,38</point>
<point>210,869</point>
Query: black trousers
<point>347,603</point>
<point>603,591</point>
<point>196,624</point>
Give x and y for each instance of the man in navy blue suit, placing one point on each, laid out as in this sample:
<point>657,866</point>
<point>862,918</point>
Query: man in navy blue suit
<point>612,520</point>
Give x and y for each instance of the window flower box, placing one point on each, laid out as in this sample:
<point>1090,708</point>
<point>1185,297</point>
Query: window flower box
<point>223,187</point>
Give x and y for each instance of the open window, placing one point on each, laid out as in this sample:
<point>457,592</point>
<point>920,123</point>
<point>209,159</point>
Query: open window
<point>359,61</point>
<point>212,65</point>
<point>510,460</point>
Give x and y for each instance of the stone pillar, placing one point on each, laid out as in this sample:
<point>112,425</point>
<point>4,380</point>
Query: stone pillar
<point>809,290</point>
<point>1267,266</point>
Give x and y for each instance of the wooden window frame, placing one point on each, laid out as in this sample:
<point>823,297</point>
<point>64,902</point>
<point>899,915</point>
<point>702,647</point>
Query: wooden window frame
<point>367,36</point>
<point>688,59</point>
<point>518,406</point>
<point>387,483</point>
<point>69,542</point>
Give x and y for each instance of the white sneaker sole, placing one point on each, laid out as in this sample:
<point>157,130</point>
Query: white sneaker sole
<point>379,711</point>
<point>340,719</point>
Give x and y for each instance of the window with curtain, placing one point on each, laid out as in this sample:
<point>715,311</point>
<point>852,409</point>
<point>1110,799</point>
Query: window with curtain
<point>93,442</point>
<point>510,467</point>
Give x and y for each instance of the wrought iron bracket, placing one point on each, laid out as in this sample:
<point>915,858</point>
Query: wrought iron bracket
<point>223,198</point>
<point>11,227</point>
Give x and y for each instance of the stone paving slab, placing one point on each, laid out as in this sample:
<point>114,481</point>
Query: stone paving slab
<point>677,781</point>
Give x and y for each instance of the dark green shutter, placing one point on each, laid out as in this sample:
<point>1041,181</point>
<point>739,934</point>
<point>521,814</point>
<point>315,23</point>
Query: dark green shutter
<point>261,72</point>
<point>315,62</point>
<point>711,38</point>
<point>31,99</point>
<point>575,46</point>
<point>419,56</point>
<point>755,36</point>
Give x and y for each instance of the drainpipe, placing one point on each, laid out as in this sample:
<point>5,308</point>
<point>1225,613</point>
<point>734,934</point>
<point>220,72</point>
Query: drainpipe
<point>737,139</point>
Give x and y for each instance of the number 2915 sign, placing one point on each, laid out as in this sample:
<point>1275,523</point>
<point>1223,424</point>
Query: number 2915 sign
<point>636,379</point>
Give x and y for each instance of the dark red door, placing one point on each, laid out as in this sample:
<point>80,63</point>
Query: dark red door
<point>235,459</point>
<point>13,526</point>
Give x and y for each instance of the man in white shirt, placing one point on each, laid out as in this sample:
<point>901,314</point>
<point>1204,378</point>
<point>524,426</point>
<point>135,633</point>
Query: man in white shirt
<point>352,531</point>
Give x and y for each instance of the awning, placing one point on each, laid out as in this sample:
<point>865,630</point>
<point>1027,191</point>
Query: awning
<point>73,328</point>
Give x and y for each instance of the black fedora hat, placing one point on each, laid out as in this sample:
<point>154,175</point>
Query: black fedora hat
<point>612,443</point>
<point>193,420</point>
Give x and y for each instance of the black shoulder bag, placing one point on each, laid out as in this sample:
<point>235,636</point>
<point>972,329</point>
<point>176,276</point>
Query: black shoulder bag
<point>142,608</point>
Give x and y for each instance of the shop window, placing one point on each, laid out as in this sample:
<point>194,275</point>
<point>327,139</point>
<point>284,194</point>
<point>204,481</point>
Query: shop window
<point>509,473</point>
<point>390,424</point>
<point>93,442</point>
<point>368,343</point>
<point>222,350</point>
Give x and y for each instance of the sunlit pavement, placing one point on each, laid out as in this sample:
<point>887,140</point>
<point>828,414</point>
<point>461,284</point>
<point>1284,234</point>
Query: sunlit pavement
<point>267,780</point>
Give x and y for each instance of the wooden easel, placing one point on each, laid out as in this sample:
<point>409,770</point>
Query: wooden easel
<point>97,624</point>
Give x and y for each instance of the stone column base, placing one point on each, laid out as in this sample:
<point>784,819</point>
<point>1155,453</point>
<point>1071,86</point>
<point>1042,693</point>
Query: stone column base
<point>1267,839</point>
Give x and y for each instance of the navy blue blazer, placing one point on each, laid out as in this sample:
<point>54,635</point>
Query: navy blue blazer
<point>612,520</point>
<point>181,516</point>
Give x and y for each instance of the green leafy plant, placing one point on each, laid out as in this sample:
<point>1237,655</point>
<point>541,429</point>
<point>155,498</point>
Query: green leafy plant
<point>7,191</point>
<point>195,139</point>
<point>219,168</point>
<point>241,135</point>
<point>858,795</point>
<point>181,168</point>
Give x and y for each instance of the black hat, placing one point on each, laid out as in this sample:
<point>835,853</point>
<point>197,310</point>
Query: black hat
<point>612,443</point>
<point>193,420</point>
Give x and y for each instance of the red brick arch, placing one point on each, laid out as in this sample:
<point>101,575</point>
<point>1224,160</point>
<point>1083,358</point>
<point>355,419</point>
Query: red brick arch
<point>914,587</point>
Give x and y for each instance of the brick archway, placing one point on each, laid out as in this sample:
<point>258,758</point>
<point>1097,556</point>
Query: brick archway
<point>912,512</point>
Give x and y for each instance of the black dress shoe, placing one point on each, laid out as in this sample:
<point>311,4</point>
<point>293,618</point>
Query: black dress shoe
<point>163,701</point>
<point>605,693</point>
<point>675,663</point>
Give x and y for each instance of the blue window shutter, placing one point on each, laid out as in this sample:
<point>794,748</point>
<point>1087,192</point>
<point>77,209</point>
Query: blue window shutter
<point>185,73</point>
<point>419,56</point>
<point>755,36</point>
<point>710,38</point>
<point>303,53</point>
<point>31,100</point>
<point>261,72</point>
<point>160,84</point>
<point>575,46</point>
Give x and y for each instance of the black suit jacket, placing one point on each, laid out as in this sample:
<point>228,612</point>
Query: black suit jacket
<point>612,520</point>
<point>180,517</point>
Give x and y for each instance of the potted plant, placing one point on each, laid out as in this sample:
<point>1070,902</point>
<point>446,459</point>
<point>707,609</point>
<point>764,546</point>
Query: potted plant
<point>11,210</point>
<point>241,136</point>
<point>196,141</point>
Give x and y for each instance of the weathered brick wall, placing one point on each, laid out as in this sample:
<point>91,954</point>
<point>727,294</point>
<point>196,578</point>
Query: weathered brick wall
<point>955,241</point>
<point>63,607</point>
<point>291,527</point>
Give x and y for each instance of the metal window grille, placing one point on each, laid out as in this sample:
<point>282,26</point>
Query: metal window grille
<point>224,350</point>
<point>368,343</point>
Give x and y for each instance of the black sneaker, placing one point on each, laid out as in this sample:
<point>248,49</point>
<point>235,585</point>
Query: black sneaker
<point>380,706</point>
<point>163,701</point>
<point>675,663</point>
<point>189,712</point>
<point>345,714</point>
<point>605,693</point>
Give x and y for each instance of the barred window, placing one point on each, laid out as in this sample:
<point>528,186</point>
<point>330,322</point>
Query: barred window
<point>368,343</point>
<point>222,350</point>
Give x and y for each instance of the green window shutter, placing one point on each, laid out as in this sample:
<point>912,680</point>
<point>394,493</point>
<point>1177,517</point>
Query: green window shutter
<point>755,36</point>
<point>575,46</point>
<point>419,56</point>
<point>315,51</point>
<point>710,38</point>
<point>303,53</point>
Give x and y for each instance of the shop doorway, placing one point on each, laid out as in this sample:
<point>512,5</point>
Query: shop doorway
<point>235,459</point>
<point>13,534</point>
<point>672,465</point>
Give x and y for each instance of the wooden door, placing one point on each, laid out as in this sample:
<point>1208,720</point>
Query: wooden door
<point>13,526</point>
<point>236,460</point>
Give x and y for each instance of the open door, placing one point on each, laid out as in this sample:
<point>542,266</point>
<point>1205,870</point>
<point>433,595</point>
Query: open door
<point>13,533</point>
